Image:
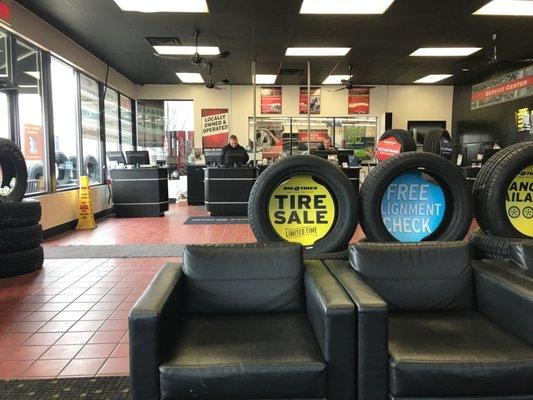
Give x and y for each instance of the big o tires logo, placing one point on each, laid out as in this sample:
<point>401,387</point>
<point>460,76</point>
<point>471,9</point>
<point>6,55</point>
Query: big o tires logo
<point>519,202</point>
<point>301,210</point>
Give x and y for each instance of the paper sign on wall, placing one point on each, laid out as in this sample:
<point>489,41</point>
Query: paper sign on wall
<point>33,142</point>
<point>314,106</point>
<point>358,101</point>
<point>271,100</point>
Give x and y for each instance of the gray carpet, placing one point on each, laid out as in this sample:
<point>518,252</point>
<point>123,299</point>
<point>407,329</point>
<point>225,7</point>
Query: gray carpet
<point>216,221</point>
<point>115,251</point>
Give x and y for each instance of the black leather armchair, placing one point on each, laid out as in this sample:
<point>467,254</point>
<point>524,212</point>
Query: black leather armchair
<point>431,324</point>
<point>242,322</point>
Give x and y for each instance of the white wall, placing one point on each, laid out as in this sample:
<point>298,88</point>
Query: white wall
<point>405,102</point>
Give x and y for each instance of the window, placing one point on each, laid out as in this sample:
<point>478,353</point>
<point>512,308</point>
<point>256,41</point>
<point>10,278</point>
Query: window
<point>64,102</point>
<point>125,123</point>
<point>4,56</point>
<point>91,165</point>
<point>31,130</point>
<point>151,128</point>
<point>112,141</point>
<point>4,117</point>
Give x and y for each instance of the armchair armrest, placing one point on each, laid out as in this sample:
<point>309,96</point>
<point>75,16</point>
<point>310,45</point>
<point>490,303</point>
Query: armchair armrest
<point>506,298</point>
<point>372,332</point>
<point>150,325</point>
<point>331,314</point>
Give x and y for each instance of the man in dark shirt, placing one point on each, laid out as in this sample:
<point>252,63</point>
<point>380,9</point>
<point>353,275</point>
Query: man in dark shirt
<point>326,145</point>
<point>233,147</point>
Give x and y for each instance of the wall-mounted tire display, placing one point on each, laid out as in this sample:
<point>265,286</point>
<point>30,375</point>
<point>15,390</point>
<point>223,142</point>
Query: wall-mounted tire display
<point>503,193</point>
<point>438,141</point>
<point>415,196</point>
<point>13,172</point>
<point>21,262</point>
<point>307,200</point>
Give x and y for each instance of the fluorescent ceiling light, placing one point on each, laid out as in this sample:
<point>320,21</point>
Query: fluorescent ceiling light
<point>445,51</point>
<point>521,8</point>
<point>317,51</point>
<point>151,6</point>
<point>335,79</point>
<point>265,79</point>
<point>190,77</point>
<point>187,50</point>
<point>345,6</point>
<point>433,78</point>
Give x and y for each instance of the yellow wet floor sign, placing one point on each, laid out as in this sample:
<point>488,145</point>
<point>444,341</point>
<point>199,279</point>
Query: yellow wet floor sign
<point>86,214</point>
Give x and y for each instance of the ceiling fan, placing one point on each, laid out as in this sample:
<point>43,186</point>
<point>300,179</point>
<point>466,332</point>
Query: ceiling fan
<point>196,58</point>
<point>493,59</point>
<point>350,82</point>
<point>209,83</point>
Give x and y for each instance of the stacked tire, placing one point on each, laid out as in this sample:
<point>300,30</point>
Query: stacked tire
<point>438,141</point>
<point>20,233</point>
<point>503,200</point>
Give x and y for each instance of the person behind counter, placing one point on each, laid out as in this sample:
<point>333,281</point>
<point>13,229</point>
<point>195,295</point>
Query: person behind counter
<point>196,157</point>
<point>234,148</point>
<point>326,145</point>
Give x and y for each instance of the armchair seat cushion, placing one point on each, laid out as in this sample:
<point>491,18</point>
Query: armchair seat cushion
<point>244,357</point>
<point>456,354</point>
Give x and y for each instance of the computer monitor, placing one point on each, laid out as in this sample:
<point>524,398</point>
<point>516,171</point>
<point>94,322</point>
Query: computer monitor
<point>116,156</point>
<point>138,157</point>
<point>212,157</point>
<point>232,159</point>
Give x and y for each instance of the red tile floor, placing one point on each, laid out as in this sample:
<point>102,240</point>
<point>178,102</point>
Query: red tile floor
<point>70,318</point>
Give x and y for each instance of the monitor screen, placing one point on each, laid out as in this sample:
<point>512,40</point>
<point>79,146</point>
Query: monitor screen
<point>116,156</point>
<point>138,157</point>
<point>212,157</point>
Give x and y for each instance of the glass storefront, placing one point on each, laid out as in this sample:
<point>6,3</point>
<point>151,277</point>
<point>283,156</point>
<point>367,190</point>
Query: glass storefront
<point>64,98</point>
<point>112,139</point>
<point>126,129</point>
<point>91,164</point>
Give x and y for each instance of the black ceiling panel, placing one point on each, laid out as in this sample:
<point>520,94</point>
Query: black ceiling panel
<point>262,30</point>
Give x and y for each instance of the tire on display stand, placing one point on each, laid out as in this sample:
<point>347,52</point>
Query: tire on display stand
<point>393,142</point>
<point>24,213</point>
<point>13,172</point>
<point>307,200</point>
<point>503,193</point>
<point>492,247</point>
<point>438,141</point>
<point>21,262</point>
<point>21,238</point>
<point>415,196</point>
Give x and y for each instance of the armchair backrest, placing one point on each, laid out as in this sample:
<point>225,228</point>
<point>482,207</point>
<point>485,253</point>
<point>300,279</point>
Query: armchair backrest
<point>522,254</point>
<point>243,279</point>
<point>425,276</point>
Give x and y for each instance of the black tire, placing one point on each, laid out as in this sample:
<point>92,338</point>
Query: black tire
<point>21,262</point>
<point>61,159</point>
<point>457,215</point>
<point>491,188</point>
<point>21,238</point>
<point>433,142</point>
<point>330,176</point>
<point>403,137</point>
<point>74,161</point>
<point>91,168</point>
<point>24,213</point>
<point>36,171</point>
<point>12,165</point>
<point>491,247</point>
<point>340,255</point>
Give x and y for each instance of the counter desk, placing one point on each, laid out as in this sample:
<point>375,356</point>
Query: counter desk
<point>195,185</point>
<point>227,189</point>
<point>140,192</point>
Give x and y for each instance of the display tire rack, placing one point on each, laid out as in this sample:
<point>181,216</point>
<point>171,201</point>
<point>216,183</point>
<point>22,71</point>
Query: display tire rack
<point>304,199</point>
<point>503,193</point>
<point>415,196</point>
<point>13,171</point>
<point>433,142</point>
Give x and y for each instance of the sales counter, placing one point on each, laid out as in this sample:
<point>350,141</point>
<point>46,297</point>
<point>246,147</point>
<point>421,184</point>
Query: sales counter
<point>195,185</point>
<point>140,192</point>
<point>227,189</point>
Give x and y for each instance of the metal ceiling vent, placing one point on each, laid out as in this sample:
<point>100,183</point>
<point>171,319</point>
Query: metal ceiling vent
<point>164,41</point>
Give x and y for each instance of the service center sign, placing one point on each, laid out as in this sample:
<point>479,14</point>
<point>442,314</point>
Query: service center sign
<point>215,127</point>
<point>510,86</point>
<point>412,207</point>
<point>301,210</point>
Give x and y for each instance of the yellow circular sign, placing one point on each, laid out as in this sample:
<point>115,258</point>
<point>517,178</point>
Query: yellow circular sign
<point>519,202</point>
<point>301,210</point>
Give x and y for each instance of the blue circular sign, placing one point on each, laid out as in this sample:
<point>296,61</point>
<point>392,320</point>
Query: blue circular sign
<point>412,207</point>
